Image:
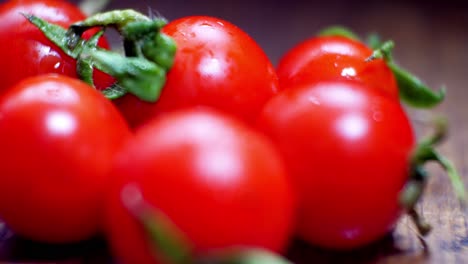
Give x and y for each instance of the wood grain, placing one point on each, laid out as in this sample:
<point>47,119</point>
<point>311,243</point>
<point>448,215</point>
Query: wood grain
<point>431,41</point>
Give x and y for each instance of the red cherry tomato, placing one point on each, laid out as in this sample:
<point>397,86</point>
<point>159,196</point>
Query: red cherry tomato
<point>335,58</point>
<point>218,65</point>
<point>347,149</point>
<point>220,182</point>
<point>26,52</point>
<point>57,138</point>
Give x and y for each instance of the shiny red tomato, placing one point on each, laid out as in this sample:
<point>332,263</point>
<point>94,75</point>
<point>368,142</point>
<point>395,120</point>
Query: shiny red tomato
<point>216,64</point>
<point>347,149</point>
<point>335,58</point>
<point>220,182</point>
<point>26,52</point>
<point>58,137</point>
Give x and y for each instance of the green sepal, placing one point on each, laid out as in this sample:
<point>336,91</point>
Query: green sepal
<point>426,151</point>
<point>71,47</point>
<point>137,30</point>
<point>338,31</point>
<point>166,241</point>
<point>373,41</point>
<point>145,39</point>
<point>160,49</point>
<point>113,92</point>
<point>56,34</point>
<point>143,74</point>
<point>411,89</point>
<point>84,67</point>
<point>137,76</point>
<point>116,19</point>
<point>423,153</point>
<point>242,256</point>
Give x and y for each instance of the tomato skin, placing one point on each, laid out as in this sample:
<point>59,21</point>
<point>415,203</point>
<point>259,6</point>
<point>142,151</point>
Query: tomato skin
<point>334,58</point>
<point>216,64</point>
<point>221,183</point>
<point>26,52</point>
<point>58,137</point>
<point>347,149</point>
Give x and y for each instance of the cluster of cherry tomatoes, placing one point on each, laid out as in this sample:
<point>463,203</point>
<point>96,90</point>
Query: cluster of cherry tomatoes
<point>235,152</point>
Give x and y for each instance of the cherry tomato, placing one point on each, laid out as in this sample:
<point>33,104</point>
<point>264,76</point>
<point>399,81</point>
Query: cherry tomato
<point>218,65</point>
<point>347,149</point>
<point>335,58</point>
<point>26,52</point>
<point>58,137</point>
<point>222,183</point>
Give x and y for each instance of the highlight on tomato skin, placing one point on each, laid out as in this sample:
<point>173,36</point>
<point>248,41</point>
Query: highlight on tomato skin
<point>324,58</point>
<point>217,64</point>
<point>347,149</point>
<point>26,52</point>
<point>221,183</point>
<point>57,136</point>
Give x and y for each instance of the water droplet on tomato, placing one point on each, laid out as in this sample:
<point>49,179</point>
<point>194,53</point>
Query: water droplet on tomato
<point>377,116</point>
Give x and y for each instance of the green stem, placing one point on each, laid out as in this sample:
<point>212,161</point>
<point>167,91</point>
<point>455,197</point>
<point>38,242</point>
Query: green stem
<point>164,237</point>
<point>114,91</point>
<point>338,31</point>
<point>242,256</point>
<point>150,53</point>
<point>84,67</point>
<point>383,52</point>
<point>414,188</point>
<point>424,153</point>
<point>373,41</point>
<point>116,19</point>
<point>423,227</point>
<point>138,76</point>
<point>455,179</point>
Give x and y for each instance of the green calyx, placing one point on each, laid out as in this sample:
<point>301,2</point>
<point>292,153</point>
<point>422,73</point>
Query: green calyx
<point>165,240</point>
<point>425,152</point>
<point>141,71</point>
<point>242,256</point>
<point>338,31</point>
<point>412,90</point>
<point>170,245</point>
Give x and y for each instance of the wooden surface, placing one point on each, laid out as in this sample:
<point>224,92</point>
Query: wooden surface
<point>431,41</point>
